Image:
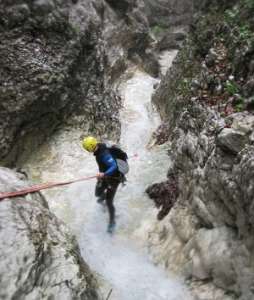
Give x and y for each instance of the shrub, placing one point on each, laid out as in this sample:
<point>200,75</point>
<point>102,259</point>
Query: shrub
<point>231,88</point>
<point>249,4</point>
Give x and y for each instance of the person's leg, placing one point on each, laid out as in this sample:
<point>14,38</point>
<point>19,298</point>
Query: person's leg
<point>100,190</point>
<point>110,194</point>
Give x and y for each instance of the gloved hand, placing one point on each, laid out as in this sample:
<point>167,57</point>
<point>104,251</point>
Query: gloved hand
<point>100,175</point>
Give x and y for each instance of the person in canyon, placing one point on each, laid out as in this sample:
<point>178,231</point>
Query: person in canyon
<point>108,178</point>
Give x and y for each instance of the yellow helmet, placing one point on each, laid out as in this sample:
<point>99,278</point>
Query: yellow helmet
<point>89,143</point>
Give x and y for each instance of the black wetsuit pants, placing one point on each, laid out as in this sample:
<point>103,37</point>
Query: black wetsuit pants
<point>105,190</point>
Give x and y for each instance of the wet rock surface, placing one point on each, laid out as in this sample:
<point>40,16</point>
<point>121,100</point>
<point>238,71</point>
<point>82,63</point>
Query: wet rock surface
<point>164,195</point>
<point>169,12</point>
<point>160,135</point>
<point>53,72</point>
<point>231,140</point>
<point>211,130</point>
<point>40,259</point>
<point>170,40</point>
<point>59,62</point>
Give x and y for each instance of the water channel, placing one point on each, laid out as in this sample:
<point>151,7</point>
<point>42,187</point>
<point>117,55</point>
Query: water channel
<point>120,260</point>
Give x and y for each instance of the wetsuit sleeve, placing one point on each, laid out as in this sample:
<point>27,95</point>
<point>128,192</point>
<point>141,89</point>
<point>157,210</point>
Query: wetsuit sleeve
<point>109,161</point>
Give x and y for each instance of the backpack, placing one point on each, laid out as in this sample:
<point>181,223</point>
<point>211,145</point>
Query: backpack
<point>121,158</point>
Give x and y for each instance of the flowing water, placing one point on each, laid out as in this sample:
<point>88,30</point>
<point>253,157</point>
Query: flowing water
<point>120,260</point>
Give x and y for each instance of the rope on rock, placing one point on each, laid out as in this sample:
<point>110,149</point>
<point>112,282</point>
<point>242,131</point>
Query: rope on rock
<point>44,186</point>
<point>109,294</point>
<point>39,187</point>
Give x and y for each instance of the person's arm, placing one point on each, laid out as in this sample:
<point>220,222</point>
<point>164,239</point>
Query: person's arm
<point>110,163</point>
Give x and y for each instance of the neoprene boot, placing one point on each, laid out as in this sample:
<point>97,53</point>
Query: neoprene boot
<point>111,227</point>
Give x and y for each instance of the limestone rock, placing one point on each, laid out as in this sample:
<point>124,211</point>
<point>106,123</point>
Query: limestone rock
<point>243,122</point>
<point>164,195</point>
<point>207,291</point>
<point>168,12</point>
<point>59,61</point>
<point>40,259</point>
<point>212,154</point>
<point>249,88</point>
<point>231,140</point>
<point>211,255</point>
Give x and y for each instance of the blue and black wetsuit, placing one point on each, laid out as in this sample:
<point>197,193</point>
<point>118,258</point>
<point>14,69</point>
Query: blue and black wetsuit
<point>106,187</point>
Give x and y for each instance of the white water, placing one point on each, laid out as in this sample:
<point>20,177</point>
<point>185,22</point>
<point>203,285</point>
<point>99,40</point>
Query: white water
<point>119,260</point>
<point>166,59</point>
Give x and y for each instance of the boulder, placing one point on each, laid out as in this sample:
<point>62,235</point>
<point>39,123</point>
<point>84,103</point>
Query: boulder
<point>231,140</point>
<point>40,258</point>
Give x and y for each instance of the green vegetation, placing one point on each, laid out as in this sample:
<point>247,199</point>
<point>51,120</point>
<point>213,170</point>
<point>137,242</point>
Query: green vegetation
<point>231,15</point>
<point>245,32</point>
<point>184,87</point>
<point>74,29</point>
<point>249,4</point>
<point>231,88</point>
<point>237,17</point>
<point>239,107</point>
<point>157,30</point>
<point>235,13</point>
<point>239,104</point>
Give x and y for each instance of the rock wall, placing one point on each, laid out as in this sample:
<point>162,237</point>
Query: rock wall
<point>169,12</point>
<point>40,259</point>
<point>206,101</point>
<point>59,63</point>
<point>59,60</point>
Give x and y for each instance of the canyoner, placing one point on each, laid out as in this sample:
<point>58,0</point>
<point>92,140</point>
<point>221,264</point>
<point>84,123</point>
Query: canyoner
<point>113,166</point>
<point>118,154</point>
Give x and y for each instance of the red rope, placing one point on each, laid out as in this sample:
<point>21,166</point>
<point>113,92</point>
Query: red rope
<point>44,186</point>
<point>39,187</point>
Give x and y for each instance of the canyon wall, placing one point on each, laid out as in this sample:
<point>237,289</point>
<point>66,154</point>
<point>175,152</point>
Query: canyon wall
<point>206,102</point>
<point>59,60</point>
<point>40,258</point>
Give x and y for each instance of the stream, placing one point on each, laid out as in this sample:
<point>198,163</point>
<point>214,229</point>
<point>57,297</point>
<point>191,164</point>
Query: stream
<point>120,260</point>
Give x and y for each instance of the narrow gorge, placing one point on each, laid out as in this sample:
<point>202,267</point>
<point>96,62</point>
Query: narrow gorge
<point>172,83</point>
